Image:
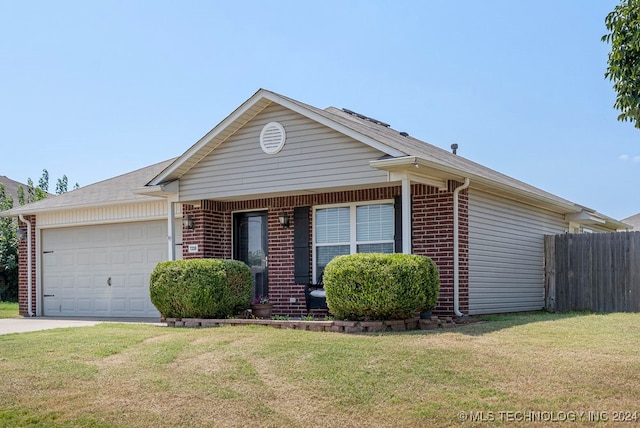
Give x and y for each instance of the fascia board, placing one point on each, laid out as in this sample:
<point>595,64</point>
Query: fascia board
<point>429,181</point>
<point>69,207</point>
<point>386,164</point>
<point>202,142</point>
<point>160,190</point>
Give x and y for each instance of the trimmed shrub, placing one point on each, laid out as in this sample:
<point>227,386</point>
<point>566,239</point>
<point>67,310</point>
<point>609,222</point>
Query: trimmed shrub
<point>374,286</point>
<point>200,288</point>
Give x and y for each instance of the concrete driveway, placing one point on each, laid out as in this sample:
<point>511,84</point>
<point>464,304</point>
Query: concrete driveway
<point>22,325</point>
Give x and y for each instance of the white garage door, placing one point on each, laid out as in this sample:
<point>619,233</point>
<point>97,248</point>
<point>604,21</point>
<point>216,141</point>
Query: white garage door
<point>102,270</point>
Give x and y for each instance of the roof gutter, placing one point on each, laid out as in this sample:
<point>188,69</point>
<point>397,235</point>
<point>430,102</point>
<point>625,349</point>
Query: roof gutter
<point>29,267</point>
<point>386,164</point>
<point>456,247</point>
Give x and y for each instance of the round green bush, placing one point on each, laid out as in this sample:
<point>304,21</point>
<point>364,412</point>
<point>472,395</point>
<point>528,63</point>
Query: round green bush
<point>200,288</point>
<point>374,286</point>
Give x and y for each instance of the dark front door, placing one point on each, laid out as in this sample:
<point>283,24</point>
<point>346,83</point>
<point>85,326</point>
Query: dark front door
<point>250,246</point>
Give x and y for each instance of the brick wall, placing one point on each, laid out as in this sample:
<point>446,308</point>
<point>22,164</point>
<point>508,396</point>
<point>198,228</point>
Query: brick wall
<point>432,236</point>
<point>22,269</point>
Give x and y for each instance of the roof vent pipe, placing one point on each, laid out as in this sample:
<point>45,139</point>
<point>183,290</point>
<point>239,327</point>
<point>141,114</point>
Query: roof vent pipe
<point>29,269</point>
<point>454,148</point>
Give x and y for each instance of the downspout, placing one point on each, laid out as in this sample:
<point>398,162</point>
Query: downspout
<point>29,269</point>
<point>456,248</point>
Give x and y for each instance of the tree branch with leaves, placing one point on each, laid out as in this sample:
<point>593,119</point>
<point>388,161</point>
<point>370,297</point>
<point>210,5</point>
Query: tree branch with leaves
<point>623,68</point>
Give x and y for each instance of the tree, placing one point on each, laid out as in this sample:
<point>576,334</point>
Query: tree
<point>61,186</point>
<point>40,192</point>
<point>623,68</point>
<point>8,251</point>
<point>43,183</point>
<point>9,227</point>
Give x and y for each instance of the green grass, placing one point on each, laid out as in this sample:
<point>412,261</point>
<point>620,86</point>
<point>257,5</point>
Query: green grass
<point>134,375</point>
<point>8,309</point>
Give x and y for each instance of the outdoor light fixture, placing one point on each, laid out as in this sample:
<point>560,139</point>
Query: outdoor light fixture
<point>187,222</point>
<point>284,219</point>
<point>21,235</point>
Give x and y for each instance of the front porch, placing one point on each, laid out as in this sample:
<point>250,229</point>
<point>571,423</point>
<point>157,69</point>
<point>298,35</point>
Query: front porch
<point>291,258</point>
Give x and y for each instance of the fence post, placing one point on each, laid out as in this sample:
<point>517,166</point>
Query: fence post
<point>550,273</point>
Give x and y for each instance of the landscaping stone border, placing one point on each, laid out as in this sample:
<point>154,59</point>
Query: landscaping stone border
<point>332,326</point>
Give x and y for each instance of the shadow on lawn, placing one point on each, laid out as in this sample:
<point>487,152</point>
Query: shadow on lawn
<point>492,323</point>
<point>483,324</point>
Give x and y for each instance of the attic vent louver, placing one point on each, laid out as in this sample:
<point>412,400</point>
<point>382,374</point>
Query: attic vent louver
<point>272,138</point>
<point>367,118</point>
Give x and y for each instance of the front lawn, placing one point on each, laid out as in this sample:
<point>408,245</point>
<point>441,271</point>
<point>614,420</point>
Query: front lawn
<point>8,309</point>
<point>505,369</point>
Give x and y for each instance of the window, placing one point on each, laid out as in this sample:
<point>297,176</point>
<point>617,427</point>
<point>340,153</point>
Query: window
<point>348,229</point>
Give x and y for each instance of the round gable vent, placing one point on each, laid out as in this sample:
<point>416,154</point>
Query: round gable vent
<point>272,138</point>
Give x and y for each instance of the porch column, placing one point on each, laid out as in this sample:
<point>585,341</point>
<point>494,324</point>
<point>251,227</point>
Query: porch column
<point>171,229</point>
<point>406,215</point>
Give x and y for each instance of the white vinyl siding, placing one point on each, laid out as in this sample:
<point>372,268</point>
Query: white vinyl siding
<point>506,253</point>
<point>109,214</point>
<point>313,157</point>
<point>353,228</point>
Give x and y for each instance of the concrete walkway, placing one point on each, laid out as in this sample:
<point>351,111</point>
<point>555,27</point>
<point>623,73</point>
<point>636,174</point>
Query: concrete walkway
<point>22,325</point>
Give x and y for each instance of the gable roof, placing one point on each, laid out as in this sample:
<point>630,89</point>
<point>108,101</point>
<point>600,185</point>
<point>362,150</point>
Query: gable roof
<point>633,221</point>
<point>113,191</point>
<point>401,149</point>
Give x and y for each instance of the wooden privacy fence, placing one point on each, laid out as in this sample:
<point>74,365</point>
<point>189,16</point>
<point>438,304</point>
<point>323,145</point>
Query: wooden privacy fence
<point>598,272</point>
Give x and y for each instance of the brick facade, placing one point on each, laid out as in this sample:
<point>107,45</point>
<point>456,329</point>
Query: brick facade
<point>23,278</point>
<point>432,236</point>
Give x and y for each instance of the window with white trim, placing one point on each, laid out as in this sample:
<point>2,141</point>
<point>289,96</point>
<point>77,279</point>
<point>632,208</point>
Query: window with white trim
<point>349,229</point>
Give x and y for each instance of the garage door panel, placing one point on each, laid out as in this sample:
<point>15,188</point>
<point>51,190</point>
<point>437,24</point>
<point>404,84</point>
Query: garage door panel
<point>156,254</point>
<point>68,305</point>
<point>138,280</point>
<point>80,260</point>
<point>137,306</point>
<point>117,256</point>
<point>83,258</point>
<point>117,234</point>
<point>119,305</point>
<point>84,305</point>
<point>85,237</point>
<point>67,281</point>
<point>85,282</point>
<point>117,281</point>
<point>136,256</point>
<point>139,234</point>
<point>100,257</point>
<point>65,259</point>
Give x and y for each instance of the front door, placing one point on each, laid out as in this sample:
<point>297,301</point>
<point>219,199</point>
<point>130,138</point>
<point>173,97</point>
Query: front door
<point>250,246</point>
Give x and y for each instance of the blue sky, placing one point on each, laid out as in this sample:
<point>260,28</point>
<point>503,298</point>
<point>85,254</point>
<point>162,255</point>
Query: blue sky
<point>94,89</point>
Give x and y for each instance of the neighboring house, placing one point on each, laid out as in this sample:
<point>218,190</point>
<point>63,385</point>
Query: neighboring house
<point>285,187</point>
<point>633,221</point>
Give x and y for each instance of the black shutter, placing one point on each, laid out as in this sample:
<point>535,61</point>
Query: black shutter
<point>301,244</point>
<point>397,207</point>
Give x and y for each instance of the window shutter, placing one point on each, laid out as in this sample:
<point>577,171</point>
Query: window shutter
<point>301,244</point>
<point>397,206</point>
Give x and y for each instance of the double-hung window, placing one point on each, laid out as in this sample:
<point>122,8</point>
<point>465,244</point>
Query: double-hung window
<point>352,228</point>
